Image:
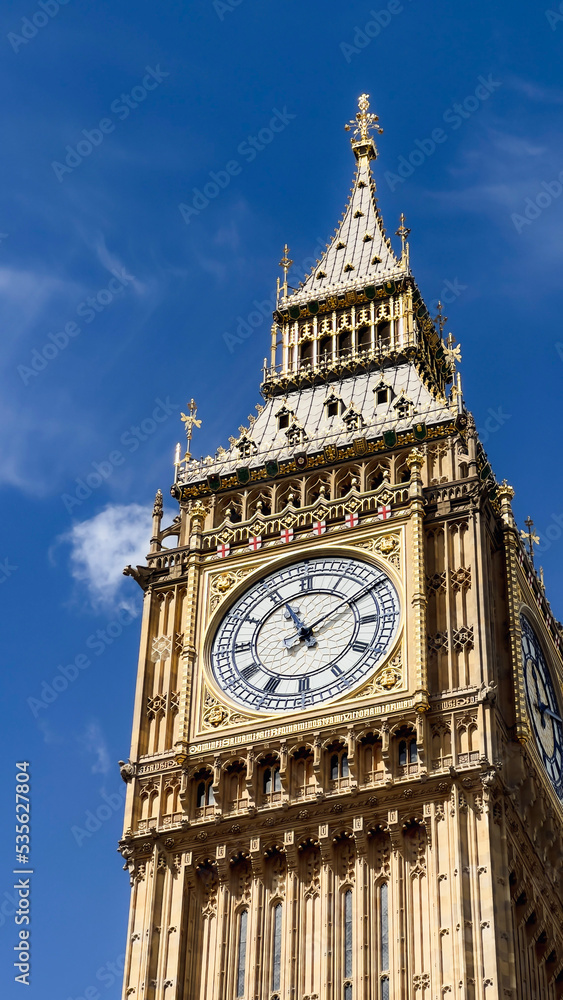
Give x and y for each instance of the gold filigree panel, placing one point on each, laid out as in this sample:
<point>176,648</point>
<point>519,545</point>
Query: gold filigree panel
<point>388,547</point>
<point>217,716</point>
<point>389,678</point>
<point>222,583</point>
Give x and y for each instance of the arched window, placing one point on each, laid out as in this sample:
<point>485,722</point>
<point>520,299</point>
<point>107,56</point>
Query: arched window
<point>204,794</point>
<point>241,957</point>
<point>306,353</point>
<point>364,338</point>
<point>200,799</point>
<point>271,780</point>
<point>383,334</point>
<point>339,768</point>
<point>325,349</point>
<point>345,342</point>
<point>407,751</point>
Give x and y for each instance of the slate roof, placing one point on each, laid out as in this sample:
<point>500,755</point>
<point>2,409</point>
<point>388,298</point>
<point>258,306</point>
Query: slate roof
<point>308,408</point>
<point>352,259</point>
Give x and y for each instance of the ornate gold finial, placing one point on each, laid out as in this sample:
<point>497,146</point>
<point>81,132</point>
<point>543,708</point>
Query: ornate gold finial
<point>530,537</point>
<point>452,353</point>
<point>364,122</point>
<point>189,421</point>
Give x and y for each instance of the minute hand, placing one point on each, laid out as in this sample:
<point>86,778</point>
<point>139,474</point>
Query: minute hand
<point>547,711</point>
<point>349,600</point>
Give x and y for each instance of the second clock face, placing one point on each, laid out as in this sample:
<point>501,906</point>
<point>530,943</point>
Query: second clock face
<point>543,706</point>
<point>305,634</point>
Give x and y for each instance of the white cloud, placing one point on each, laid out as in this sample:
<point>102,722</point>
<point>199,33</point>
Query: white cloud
<point>112,263</point>
<point>94,743</point>
<point>102,546</point>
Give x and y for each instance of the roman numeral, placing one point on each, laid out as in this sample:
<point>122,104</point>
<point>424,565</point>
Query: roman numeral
<point>336,670</point>
<point>241,646</point>
<point>248,672</point>
<point>360,647</point>
<point>367,619</point>
<point>307,583</point>
<point>303,684</point>
<point>272,684</point>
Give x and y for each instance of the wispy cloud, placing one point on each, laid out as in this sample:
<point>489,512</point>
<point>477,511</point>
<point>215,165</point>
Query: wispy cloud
<point>103,545</point>
<point>94,744</point>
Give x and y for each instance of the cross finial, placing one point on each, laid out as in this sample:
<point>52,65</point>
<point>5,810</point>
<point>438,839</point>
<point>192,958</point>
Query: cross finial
<point>364,123</point>
<point>441,320</point>
<point>403,232</point>
<point>285,263</point>
<point>530,537</point>
<point>189,421</point>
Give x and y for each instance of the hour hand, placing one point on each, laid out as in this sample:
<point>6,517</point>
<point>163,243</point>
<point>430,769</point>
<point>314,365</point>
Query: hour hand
<point>290,613</point>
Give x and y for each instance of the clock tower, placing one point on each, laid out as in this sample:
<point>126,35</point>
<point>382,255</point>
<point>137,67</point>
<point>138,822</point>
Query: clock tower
<point>345,779</point>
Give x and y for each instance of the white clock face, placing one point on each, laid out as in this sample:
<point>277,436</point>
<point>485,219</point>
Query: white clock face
<point>305,634</point>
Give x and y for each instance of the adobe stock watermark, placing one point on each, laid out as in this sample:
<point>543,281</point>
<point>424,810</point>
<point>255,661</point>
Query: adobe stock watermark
<point>121,107</point>
<point>453,116</point>
<point>248,149</point>
<point>30,26</point>
<point>6,570</point>
<point>533,207</point>
<point>131,439</point>
<point>495,420</point>
<point>263,310</point>
<point>67,674</point>
<point>222,7</point>
<point>108,975</point>
<point>87,310</point>
<point>451,290</point>
<point>378,20</point>
<point>551,533</point>
<point>554,17</point>
<point>93,819</point>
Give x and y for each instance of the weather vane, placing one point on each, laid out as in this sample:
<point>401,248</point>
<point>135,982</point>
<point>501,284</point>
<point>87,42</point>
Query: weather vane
<point>189,421</point>
<point>364,122</point>
<point>530,537</point>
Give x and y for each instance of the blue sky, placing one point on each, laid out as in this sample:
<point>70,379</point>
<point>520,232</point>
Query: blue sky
<point>113,115</point>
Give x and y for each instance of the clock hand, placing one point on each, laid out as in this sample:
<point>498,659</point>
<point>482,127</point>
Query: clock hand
<point>545,710</point>
<point>303,631</point>
<point>348,600</point>
<point>290,613</point>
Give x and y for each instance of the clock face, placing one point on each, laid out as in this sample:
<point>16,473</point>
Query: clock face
<point>543,706</point>
<point>305,634</point>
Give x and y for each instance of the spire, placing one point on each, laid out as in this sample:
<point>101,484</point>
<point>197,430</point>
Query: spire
<point>360,252</point>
